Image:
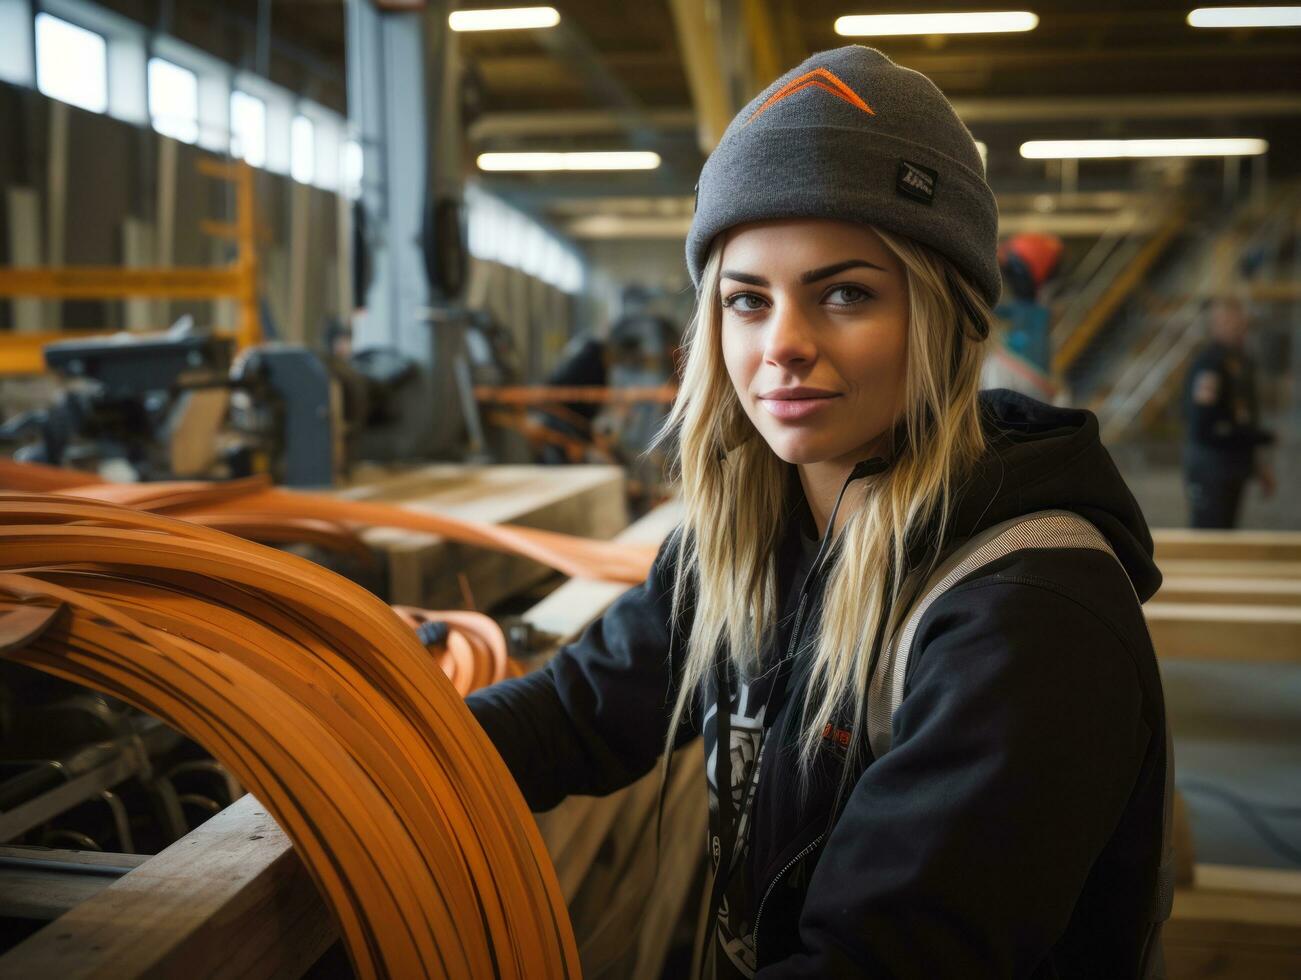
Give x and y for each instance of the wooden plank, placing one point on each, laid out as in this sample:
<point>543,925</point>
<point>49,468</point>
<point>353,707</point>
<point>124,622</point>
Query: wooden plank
<point>1204,631</point>
<point>566,611</point>
<point>43,883</point>
<point>624,893</point>
<point>634,893</point>
<point>1236,924</point>
<point>1257,881</point>
<point>1186,543</point>
<point>1230,591</point>
<point>1220,568</point>
<point>681,857</point>
<point>70,857</point>
<point>584,500</point>
<point>230,899</point>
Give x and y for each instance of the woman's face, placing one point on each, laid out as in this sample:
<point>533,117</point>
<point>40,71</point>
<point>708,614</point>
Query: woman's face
<point>814,334</point>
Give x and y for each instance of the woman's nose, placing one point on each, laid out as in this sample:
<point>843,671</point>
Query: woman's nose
<point>790,338</point>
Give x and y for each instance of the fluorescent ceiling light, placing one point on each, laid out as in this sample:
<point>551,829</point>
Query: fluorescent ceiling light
<point>983,22</point>
<point>1092,149</point>
<point>1245,17</point>
<point>623,160</point>
<point>503,19</point>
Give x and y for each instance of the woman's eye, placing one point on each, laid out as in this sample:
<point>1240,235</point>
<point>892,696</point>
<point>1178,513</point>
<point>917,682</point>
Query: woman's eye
<point>743,302</point>
<point>847,295</point>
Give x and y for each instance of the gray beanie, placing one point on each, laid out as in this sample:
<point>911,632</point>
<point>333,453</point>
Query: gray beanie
<point>850,135</point>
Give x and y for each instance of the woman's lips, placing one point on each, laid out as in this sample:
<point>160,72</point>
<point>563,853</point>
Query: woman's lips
<point>795,409</point>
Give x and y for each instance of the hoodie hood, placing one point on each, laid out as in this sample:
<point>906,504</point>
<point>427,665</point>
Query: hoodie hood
<point>1041,457</point>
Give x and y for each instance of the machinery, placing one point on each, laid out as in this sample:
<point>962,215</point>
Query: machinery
<point>178,405</point>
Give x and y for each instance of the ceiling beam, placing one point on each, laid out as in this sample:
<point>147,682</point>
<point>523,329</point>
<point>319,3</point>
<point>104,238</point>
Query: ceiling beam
<point>575,122</point>
<point>698,33</point>
<point>570,46</point>
<point>588,122</point>
<point>1128,107</point>
<point>1188,55</point>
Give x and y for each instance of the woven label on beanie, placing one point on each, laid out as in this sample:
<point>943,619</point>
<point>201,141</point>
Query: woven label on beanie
<point>916,181</point>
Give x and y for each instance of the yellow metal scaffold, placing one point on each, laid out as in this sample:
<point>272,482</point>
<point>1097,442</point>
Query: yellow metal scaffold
<point>21,353</point>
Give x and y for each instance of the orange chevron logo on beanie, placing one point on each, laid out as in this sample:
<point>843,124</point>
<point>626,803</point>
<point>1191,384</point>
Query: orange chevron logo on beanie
<point>822,78</point>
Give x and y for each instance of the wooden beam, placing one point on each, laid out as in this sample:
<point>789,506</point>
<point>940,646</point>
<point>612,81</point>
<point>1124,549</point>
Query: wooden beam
<point>1220,568</point>
<point>1227,590</point>
<point>230,899</point>
<point>698,39</point>
<point>43,883</point>
<point>1236,924</point>
<point>768,59</point>
<point>567,611</point>
<point>1185,544</point>
<point>1241,634</point>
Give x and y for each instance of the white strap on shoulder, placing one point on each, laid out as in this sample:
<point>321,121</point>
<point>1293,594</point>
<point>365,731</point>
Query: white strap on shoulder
<point>1042,529</point>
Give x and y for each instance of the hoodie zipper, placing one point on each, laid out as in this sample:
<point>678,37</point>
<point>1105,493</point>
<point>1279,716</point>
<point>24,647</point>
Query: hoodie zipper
<point>867,467</point>
<point>773,884</point>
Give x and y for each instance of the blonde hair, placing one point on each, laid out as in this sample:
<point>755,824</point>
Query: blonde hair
<point>734,490</point>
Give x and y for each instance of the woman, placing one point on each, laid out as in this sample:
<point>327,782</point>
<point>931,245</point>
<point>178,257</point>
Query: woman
<point>833,450</point>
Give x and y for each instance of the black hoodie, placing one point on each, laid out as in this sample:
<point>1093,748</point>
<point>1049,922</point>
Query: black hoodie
<point>1014,828</point>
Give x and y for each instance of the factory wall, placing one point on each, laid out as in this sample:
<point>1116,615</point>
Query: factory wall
<point>81,188</point>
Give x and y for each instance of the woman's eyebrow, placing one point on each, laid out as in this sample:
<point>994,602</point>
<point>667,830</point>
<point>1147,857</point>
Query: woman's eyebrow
<point>744,277</point>
<point>813,275</point>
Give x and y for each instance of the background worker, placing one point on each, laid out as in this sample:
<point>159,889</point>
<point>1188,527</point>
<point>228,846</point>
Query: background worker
<point>1223,417</point>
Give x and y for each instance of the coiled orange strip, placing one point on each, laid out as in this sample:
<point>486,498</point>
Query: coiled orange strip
<point>320,699</point>
<point>255,499</point>
<point>474,654</point>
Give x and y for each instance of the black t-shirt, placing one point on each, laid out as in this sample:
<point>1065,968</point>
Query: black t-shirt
<point>752,712</point>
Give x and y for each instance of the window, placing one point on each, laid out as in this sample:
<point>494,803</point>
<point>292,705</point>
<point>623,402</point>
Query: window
<point>497,232</point>
<point>302,150</point>
<point>248,128</point>
<point>71,63</point>
<point>174,100</point>
<point>16,42</point>
<point>352,169</point>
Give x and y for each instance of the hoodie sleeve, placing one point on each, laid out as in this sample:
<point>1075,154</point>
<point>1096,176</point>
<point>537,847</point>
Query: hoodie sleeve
<point>593,720</point>
<point>962,852</point>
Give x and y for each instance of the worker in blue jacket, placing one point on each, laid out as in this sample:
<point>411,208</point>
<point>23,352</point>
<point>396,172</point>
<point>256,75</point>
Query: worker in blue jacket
<point>1223,416</point>
<point>994,810</point>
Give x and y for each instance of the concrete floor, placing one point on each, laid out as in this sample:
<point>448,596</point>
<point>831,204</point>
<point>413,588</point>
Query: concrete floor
<point>1237,727</point>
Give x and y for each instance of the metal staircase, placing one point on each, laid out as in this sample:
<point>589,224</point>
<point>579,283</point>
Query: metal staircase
<point>1152,368</point>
